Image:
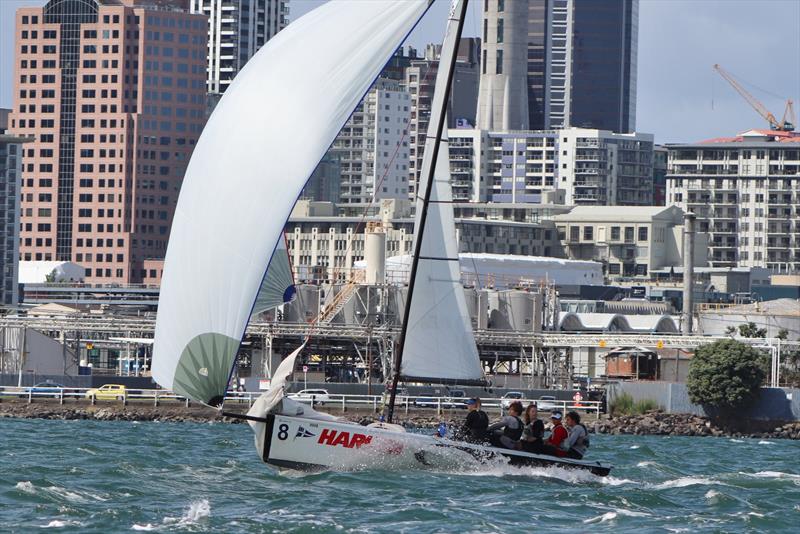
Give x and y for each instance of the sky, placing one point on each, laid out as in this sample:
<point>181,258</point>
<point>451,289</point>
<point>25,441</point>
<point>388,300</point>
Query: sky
<point>679,96</point>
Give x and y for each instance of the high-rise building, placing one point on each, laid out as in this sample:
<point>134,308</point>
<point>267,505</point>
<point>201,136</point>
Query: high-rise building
<point>10,170</point>
<point>576,166</point>
<point>559,63</point>
<point>420,78</point>
<point>236,31</point>
<point>592,57</point>
<point>373,147</point>
<point>112,94</point>
<point>503,96</point>
<point>745,192</point>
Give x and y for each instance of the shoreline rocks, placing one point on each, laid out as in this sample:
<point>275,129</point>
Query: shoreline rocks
<point>662,424</point>
<point>651,423</point>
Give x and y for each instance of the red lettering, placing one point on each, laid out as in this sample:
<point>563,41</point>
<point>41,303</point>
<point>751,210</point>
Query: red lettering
<point>334,438</point>
<point>327,436</point>
<point>342,439</point>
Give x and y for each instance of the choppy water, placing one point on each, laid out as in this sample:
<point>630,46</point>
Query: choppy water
<point>84,476</point>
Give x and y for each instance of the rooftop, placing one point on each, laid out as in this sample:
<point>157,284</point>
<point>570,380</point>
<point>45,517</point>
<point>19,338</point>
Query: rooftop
<point>755,135</point>
<point>616,213</point>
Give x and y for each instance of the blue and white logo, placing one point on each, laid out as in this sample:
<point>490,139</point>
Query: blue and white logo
<point>303,433</point>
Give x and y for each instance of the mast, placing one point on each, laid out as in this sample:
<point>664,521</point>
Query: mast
<point>456,15</point>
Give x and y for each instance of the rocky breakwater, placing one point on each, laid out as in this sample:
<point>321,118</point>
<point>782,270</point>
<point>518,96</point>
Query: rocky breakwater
<point>172,414</point>
<point>660,423</point>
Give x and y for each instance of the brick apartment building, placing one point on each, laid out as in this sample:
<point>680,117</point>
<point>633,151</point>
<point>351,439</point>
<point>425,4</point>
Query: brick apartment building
<point>112,94</point>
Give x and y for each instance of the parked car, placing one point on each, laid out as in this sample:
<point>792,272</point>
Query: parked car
<point>48,389</point>
<point>318,396</point>
<point>546,403</point>
<point>433,402</point>
<point>510,397</point>
<point>458,397</point>
<point>108,392</point>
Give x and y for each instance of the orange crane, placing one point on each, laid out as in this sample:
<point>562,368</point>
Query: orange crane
<point>786,124</point>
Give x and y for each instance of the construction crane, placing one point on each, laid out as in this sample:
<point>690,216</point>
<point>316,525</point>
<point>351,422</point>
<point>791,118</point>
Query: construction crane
<point>786,124</point>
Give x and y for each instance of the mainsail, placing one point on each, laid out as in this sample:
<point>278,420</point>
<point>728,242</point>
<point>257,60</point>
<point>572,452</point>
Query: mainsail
<point>256,153</point>
<point>439,343</point>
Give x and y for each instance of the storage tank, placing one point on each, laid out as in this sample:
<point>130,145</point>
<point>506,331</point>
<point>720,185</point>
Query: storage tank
<point>525,310</point>
<point>477,307</point>
<point>375,255</point>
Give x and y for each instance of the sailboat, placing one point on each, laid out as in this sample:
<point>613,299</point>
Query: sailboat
<point>259,147</point>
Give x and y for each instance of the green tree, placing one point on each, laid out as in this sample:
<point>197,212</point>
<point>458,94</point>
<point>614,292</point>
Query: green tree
<point>730,331</point>
<point>752,330</point>
<point>783,334</point>
<point>725,375</point>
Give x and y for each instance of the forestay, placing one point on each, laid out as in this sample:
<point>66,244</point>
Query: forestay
<point>258,149</point>
<point>439,344</point>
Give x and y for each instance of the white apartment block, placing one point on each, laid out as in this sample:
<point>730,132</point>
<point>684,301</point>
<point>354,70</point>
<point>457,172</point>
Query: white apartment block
<point>745,192</point>
<point>420,81</point>
<point>575,166</point>
<point>632,242</point>
<point>237,29</point>
<point>373,146</point>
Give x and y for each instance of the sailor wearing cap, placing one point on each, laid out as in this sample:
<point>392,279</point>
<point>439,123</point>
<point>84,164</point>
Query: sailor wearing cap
<point>553,444</point>
<point>477,421</point>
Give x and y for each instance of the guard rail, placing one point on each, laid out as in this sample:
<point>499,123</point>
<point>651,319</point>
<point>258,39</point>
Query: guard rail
<point>331,400</point>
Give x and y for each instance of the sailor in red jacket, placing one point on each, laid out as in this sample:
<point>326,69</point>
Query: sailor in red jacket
<point>553,444</point>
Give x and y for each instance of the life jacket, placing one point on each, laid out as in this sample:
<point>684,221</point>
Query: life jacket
<point>514,433</point>
<point>584,440</point>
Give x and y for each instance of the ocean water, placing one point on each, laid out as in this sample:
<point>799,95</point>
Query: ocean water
<point>86,476</point>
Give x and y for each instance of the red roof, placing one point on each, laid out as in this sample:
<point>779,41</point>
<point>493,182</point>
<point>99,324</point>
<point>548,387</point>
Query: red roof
<point>776,135</point>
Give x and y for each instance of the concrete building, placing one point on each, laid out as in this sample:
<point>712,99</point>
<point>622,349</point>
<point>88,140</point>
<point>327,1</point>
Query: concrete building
<point>420,78</point>
<point>632,242</point>
<point>330,238</point>
<point>551,64</point>
<point>503,98</point>
<point>373,148</point>
<point>573,166</point>
<point>112,94</point>
<point>236,31</point>
<point>11,148</point>
<point>745,191</point>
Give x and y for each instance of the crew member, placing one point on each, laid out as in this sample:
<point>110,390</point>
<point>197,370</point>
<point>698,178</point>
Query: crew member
<point>553,444</point>
<point>507,431</point>
<point>533,433</point>
<point>476,423</point>
<point>578,440</point>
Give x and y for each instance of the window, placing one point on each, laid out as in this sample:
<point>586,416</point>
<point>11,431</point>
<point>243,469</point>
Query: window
<point>629,233</point>
<point>615,233</point>
<point>501,6</point>
<point>588,233</point>
<point>574,233</point>
<point>500,31</point>
<point>643,233</point>
<point>499,66</point>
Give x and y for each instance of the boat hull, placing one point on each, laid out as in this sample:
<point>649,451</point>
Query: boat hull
<point>315,445</point>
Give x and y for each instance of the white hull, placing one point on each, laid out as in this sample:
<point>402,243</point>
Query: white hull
<point>313,445</point>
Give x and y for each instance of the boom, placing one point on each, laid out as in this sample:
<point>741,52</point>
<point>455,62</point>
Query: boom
<point>786,124</point>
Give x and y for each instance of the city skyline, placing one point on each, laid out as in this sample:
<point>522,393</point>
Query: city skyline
<point>694,105</point>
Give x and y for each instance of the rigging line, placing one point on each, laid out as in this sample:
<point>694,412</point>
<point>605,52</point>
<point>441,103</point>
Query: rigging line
<point>423,215</point>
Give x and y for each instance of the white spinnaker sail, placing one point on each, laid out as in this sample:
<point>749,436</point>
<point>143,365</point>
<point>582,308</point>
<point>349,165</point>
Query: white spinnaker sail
<point>258,149</point>
<point>278,285</point>
<point>439,342</point>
